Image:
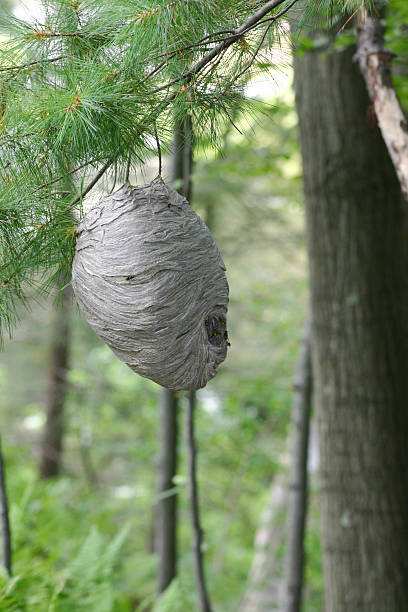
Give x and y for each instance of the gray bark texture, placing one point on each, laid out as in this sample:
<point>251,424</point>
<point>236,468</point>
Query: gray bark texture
<point>298,479</point>
<point>51,446</point>
<point>357,237</point>
<point>151,282</point>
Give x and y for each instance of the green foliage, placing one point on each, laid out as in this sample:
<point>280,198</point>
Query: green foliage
<point>397,41</point>
<point>86,583</point>
<point>176,598</point>
<point>72,547</point>
<point>87,85</point>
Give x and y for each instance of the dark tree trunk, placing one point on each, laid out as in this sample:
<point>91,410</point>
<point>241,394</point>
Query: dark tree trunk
<point>51,448</point>
<point>357,235</point>
<point>5,523</point>
<point>194,505</point>
<point>165,536</point>
<point>302,404</point>
<point>166,514</point>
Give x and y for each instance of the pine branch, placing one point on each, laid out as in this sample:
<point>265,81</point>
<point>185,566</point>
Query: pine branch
<point>100,89</point>
<point>271,22</point>
<point>36,63</point>
<point>93,182</point>
<point>255,20</point>
<point>39,35</point>
<point>60,178</point>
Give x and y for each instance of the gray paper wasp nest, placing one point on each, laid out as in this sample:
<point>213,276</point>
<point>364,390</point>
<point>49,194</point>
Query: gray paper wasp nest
<point>150,281</point>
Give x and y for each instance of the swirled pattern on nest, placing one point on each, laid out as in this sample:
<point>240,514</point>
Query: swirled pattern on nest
<point>150,281</point>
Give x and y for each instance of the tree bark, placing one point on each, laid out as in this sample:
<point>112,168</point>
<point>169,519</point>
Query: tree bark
<point>51,448</point>
<point>357,241</point>
<point>375,66</point>
<point>298,480</point>
<point>5,522</point>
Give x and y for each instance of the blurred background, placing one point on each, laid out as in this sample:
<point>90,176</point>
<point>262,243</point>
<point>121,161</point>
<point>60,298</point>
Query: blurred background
<point>83,484</point>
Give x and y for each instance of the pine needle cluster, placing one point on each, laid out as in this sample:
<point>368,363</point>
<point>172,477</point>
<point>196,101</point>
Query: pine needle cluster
<point>84,91</point>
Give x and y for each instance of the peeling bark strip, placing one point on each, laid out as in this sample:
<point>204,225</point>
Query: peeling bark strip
<point>375,65</point>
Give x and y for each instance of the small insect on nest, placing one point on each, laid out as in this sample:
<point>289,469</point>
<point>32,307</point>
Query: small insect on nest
<point>150,281</point>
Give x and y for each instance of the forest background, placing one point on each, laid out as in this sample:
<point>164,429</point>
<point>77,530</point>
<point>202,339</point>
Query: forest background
<point>65,531</point>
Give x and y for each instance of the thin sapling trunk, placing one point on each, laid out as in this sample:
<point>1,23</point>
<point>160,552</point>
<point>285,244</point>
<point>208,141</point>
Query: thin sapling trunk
<point>51,447</point>
<point>298,476</point>
<point>5,522</point>
<point>194,506</point>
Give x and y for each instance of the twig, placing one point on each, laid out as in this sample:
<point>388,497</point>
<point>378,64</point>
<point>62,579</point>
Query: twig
<point>43,34</point>
<point>22,66</point>
<point>93,182</point>
<point>350,18</point>
<point>271,22</point>
<point>255,53</point>
<point>64,175</point>
<point>129,161</point>
<point>159,153</point>
<point>195,514</point>
<point>5,523</point>
<point>114,178</point>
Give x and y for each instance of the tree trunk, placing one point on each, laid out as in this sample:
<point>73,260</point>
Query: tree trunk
<point>166,513</point>
<point>302,404</point>
<point>197,542</point>
<point>5,523</point>
<point>357,236</point>
<point>51,448</point>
